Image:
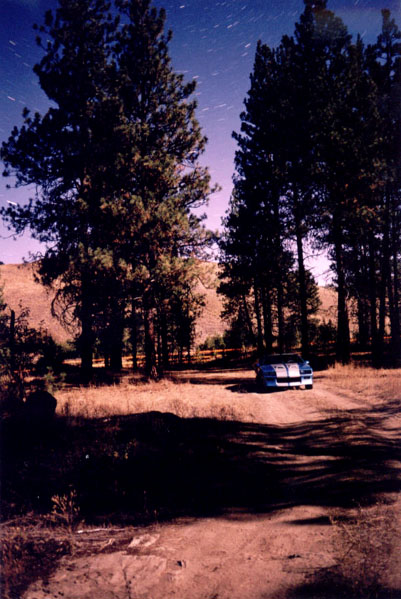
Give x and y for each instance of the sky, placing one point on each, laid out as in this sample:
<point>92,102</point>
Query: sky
<point>213,42</point>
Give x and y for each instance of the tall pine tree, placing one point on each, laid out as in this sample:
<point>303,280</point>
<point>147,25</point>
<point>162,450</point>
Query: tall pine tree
<point>115,160</point>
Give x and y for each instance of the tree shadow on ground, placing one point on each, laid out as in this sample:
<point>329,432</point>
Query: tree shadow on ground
<point>328,583</point>
<point>329,586</point>
<point>143,467</point>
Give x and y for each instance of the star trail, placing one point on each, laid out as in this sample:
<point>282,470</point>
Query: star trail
<point>213,42</point>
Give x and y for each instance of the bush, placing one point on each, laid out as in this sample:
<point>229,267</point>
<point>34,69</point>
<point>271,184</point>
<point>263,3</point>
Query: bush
<point>214,342</point>
<point>25,557</point>
<point>24,350</point>
<point>52,355</point>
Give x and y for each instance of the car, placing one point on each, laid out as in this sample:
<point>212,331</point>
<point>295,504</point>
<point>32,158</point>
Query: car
<point>282,371</point>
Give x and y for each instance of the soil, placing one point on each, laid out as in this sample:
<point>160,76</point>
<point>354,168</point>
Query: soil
<point>330,453</point>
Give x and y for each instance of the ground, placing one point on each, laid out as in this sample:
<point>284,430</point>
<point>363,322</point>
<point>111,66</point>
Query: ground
<point>301,498</point>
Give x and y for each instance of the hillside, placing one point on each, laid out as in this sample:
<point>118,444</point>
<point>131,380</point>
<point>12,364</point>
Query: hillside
<point>210,322</point>
<point>20,287</point>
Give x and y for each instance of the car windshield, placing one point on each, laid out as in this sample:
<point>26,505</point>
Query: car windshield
<point>280,358</point>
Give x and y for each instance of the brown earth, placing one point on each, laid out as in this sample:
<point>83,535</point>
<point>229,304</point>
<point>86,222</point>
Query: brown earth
<point>20,287</point>
<point>301,464</point>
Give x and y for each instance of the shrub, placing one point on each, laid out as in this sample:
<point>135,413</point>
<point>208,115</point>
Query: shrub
<point>25,557</point>
<point>214,342</point>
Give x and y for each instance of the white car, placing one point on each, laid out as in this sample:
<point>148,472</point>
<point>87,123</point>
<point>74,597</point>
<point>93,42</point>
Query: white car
<point>282,371</point>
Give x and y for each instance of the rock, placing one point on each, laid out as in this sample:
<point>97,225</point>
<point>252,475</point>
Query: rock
<point>41,405</point>
<point>142,542</point>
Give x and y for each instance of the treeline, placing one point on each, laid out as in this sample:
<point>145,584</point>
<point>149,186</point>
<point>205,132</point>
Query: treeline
<point>318,165</point>
<point>115,165</point>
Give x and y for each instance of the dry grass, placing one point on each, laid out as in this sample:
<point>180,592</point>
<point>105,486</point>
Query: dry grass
<point>364,382</point>
<point>193,394</point>
<point>179,397</point>
<point>365,545</point>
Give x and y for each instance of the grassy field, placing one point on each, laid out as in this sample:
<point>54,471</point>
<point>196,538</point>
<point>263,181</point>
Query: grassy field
<point>365,383</point>
<point>198,394</point>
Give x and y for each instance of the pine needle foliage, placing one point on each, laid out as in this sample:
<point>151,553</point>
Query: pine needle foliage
<point>318,165</point>
<point>115,161</point>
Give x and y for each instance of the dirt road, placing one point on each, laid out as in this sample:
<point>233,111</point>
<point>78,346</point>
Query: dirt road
<point>292,461</point>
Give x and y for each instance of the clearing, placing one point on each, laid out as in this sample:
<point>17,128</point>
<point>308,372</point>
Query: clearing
<point>280,495</point>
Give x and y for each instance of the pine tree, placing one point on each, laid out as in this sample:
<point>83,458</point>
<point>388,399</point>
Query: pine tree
<point>116,163</point>
<point>278,186</point>
<point>384,66</point>
<point>253,248</point>
<point>319,160</point>
<point>162,181</point>
<point>356,169</point>
<point>64,153</point>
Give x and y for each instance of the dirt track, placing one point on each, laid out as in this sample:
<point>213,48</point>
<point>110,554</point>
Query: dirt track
<point>322,452</point>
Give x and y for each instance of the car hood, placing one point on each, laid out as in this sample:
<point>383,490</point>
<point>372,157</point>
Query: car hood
<point>281,369</point>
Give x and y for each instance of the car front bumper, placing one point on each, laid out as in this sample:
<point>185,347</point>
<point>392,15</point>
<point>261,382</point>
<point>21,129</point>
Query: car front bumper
<point>287,382</point>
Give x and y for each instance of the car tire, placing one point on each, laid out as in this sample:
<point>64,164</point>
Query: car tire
<point>308,386</point>
<point>260,383</point>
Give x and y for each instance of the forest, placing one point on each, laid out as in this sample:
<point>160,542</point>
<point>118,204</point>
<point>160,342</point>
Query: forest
<point>318,165</point>
<point>115,163</point>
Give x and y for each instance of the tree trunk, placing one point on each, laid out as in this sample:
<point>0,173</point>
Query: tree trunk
<point>134,338</point>
<point>280,295</point>
<point>164,339</point>
<point>150,340</point>
<point>248,319</point>
<point>86,338</point>
<point>302,291</point>
<point>116,335</point>
<point>12,341</point>
<point>189,351</point>
<point>395,300</point>
<point>376,358</point>
<point>343,338</point>
<point>385,274</point>
<point>159,357</point>
<point>280,316</point>
<point>116,348</point>
<point>258,319</point>
<point>267,319</point>
<point>363,329</point>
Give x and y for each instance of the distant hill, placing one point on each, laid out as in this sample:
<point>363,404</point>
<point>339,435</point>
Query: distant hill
<point>210,322</point>
<point>19,286</point>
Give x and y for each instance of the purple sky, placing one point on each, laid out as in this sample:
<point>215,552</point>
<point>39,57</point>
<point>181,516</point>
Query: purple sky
<point>213,41</point>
